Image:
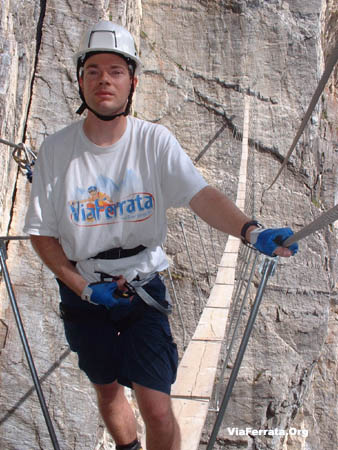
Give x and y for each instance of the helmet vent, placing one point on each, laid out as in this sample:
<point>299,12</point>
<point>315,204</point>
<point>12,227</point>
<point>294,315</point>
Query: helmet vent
<point>102,38</point>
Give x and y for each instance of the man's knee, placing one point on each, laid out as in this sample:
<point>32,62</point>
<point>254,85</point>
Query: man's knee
<point>155,407</point>
<point>108,393</point>
<point>160,416</point>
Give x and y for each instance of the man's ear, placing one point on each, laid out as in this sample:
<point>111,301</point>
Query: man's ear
<point>81,80</point>
<point>135,81</point>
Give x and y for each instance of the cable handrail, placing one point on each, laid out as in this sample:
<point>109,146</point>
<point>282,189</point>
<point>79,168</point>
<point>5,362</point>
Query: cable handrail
<point>331,62</point>
<point>269,266</point>
<point>24,341</point>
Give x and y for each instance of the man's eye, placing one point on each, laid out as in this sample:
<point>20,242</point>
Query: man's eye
<point>117,72</point>
<point>91,71</point>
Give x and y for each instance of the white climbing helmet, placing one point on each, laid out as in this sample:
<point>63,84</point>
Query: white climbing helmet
<point>109,37</point>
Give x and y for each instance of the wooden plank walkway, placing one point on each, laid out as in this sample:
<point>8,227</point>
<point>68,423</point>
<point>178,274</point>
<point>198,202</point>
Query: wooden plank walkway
<point>196,374</point>
<point>193,388</point>
<point>197,370</point>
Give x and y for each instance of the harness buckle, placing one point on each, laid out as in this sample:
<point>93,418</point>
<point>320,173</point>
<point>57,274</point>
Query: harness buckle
<point>129,292</point>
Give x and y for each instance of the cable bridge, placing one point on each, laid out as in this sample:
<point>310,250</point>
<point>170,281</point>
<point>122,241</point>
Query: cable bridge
<point>208,317</point>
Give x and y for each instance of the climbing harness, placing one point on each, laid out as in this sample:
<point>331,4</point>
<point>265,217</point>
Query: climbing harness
<point>119,252</point>
<point>128,292</point>
<point>23,156</point>
<point>136,287</point>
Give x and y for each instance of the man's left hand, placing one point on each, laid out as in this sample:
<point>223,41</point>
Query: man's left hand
<point>270,242</point>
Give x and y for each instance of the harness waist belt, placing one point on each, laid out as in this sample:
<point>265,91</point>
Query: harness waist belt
<point>117,253</point>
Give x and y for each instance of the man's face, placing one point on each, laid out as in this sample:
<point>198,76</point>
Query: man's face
<point>106,83</point>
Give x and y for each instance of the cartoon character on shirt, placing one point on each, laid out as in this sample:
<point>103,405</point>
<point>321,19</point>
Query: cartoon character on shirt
<point>100,209</point>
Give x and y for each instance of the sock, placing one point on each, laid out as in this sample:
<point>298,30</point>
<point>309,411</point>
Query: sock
<point>135,445</point>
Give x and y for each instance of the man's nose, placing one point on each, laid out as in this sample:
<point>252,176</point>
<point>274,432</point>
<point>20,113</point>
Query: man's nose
<point>104,78</point>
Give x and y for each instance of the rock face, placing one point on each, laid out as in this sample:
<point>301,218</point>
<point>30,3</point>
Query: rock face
<point>201,59</point>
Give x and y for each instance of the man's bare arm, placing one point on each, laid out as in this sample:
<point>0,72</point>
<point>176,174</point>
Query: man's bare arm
<point>52,254</point>
<point>221,213</point>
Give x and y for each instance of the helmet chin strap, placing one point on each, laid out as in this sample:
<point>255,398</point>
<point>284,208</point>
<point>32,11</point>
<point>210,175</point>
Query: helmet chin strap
<point>106,118</point>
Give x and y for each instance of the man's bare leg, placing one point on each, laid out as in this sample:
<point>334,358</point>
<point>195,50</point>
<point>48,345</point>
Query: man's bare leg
<point>116,412</point>
<point>162,430</point>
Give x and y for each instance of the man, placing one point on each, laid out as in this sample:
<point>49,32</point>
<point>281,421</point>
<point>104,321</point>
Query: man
<point>107,255</point>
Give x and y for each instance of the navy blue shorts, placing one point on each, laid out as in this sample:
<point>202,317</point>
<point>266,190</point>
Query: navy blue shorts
<point>139,350</point>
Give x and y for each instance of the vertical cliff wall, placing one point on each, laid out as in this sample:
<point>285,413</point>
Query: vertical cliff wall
<point>201,59</point>
<point>272,52</point>
<point>39,96</point>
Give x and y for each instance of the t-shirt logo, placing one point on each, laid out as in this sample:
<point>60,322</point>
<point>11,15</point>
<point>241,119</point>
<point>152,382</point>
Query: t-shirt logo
<point>100,209</point>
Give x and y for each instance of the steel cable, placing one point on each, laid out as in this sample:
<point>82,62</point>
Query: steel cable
<point>331,62</point>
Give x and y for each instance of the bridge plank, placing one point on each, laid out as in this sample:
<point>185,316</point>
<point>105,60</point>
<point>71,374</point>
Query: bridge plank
<point>191,415</point>
<point>211,326</point>
<point>197,370</point>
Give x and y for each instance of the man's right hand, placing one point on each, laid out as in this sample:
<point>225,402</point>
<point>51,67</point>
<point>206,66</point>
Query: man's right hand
<point>104,294</point>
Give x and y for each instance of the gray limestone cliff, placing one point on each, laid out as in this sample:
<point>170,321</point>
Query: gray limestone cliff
<point>201,59</point>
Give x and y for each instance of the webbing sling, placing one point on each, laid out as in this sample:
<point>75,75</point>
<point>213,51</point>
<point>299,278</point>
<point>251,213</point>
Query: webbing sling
<point>148,299</point>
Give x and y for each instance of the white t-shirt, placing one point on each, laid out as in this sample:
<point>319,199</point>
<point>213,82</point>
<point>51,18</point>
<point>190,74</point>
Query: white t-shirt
<point>95,198</point>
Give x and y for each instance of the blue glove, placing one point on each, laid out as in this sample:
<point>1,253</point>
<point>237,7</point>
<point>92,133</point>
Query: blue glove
<point>271,238</point>
<point>103,294</point>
